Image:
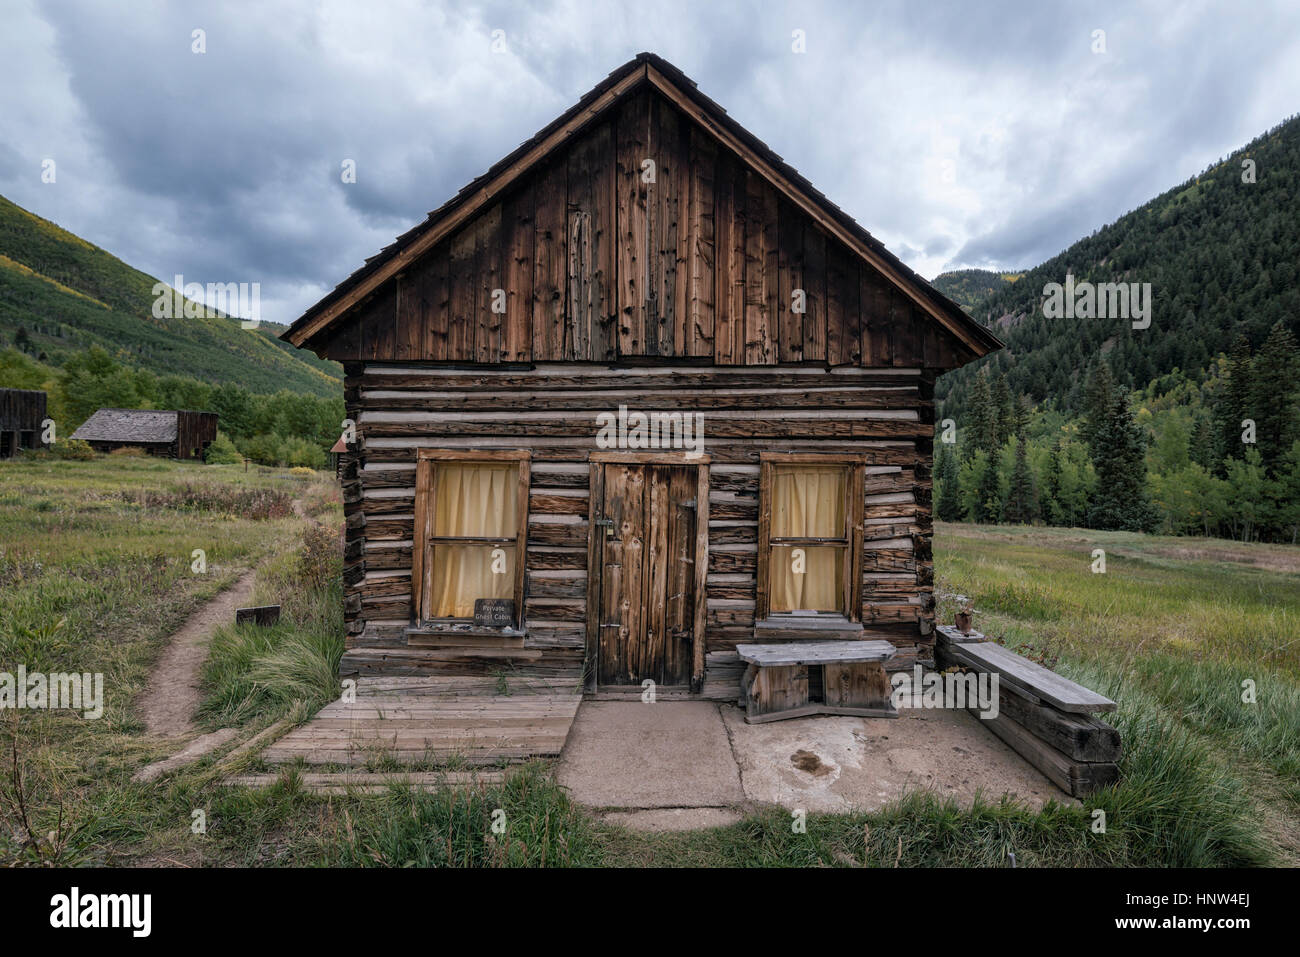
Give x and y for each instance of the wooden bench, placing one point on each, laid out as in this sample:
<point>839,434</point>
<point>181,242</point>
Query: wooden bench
<point>1044,717</point>
<point>797,678</point>
<point>1023,677</point>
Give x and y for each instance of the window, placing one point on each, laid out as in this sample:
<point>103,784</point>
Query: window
<point>810,535</point>
<point>471,512</point>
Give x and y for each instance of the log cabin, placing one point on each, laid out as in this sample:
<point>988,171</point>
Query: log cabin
<point>635,395</point>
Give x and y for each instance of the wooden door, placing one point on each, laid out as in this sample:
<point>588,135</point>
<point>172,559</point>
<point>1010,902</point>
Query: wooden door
<point>647,526</point>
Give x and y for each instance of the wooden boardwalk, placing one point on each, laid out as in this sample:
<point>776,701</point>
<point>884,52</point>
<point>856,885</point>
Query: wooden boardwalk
<point>436,720</point>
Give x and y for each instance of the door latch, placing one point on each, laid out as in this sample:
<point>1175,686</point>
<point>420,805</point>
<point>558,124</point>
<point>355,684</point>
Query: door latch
<point>607,524</point>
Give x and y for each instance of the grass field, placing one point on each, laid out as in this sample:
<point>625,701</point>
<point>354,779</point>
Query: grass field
<point>96,571</point>
<point>1175,628</point>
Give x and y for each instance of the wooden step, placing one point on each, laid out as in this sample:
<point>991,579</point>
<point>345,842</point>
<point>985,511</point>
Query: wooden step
<point>373,782</point>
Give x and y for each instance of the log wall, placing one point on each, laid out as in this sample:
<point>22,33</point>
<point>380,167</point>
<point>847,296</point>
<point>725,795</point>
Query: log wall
<point>551,410</point>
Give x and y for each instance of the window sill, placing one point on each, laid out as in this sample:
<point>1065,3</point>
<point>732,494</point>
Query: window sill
<point>797,627</point>
<point>433,632</point>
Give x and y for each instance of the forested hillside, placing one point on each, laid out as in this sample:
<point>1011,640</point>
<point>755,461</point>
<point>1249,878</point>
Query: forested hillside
<point>60,295</point>
<point>1223,260</point>
<point>1191,425</point>
<point>969,288</point>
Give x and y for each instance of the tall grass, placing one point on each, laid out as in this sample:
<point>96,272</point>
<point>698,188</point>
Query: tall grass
<point>1175,643</point>
<point>257,504</point>
<point>526,821</point>
<point>253,672</point>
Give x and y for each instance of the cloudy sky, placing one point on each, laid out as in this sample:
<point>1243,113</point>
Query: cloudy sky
<point>959,133</point>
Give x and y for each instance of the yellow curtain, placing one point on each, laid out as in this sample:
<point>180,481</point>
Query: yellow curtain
<point>807,503</point>
<point>476,501</point>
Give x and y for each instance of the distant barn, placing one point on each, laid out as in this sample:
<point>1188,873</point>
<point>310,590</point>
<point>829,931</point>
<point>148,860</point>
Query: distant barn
<point>172,434</point>
<point>21,413</point>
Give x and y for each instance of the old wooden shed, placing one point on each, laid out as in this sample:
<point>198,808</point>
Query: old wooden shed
<point>168,433</point>
<point>22,420</point>
<point>636,394</point>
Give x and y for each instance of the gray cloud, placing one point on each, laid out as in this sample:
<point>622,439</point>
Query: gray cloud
<point>960,136</point>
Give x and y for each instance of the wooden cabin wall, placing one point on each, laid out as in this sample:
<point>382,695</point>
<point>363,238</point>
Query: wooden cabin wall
<point>645,239</point>
<point>194,430</point>
<point>551,410</point>
<point>22,412</point>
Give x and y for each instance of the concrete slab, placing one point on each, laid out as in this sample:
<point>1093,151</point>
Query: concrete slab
<point>840,764</point>
<point>671,754</point>
<point>659,820</point>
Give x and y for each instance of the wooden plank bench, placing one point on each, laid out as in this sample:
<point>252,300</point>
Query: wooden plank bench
<point>797,678</point>
<point>1029,679</point>
<point>1045,718</point>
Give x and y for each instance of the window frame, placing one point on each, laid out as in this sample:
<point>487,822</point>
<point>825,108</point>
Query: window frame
<point>426,464</point>
<point>855,464</point>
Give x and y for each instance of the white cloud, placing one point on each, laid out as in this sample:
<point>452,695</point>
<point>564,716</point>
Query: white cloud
<point>957,136</point>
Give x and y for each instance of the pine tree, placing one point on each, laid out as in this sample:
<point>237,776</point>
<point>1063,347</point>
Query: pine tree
<point>1049,503</point>
<point>1204,449</point>
<point>1024,406</point>
<point>947,505</point>
<point>1005,410</point>
<point>1022,501</point>
<point>1098,396</point>
<point>1233,399</point>
<point>989,494</point>
<point>1121,499</point>
<point>983,427</point>
<point>1272,393</point>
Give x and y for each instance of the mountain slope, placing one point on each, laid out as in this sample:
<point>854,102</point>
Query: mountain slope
<point>1222,257</point>
<point>970,287</point>
<point>61,295</point>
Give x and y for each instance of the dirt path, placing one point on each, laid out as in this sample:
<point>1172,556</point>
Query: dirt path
<point>172,697</point>
<point>301,512</point>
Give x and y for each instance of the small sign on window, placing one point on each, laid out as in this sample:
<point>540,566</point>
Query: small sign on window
<point>494,612</point>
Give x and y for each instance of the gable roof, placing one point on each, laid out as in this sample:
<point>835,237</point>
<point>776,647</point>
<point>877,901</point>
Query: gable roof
<point>129,425</point>
<point>645,68</point>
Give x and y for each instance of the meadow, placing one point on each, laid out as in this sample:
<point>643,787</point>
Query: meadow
<point>96,571</point>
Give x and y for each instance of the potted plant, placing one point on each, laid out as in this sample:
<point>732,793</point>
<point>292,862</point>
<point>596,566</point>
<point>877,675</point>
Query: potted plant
<point>964,615</point>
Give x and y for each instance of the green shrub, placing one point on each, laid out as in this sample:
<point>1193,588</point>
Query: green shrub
<point>77,450</point>
<point>299,452</point>
<point>222,451</point>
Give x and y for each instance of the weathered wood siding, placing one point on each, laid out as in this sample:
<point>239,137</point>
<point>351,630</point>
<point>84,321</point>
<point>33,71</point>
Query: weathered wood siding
<point>645,238</point>
<point>551,410</point>
<point>194,431</point>
<point>22,412</point>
